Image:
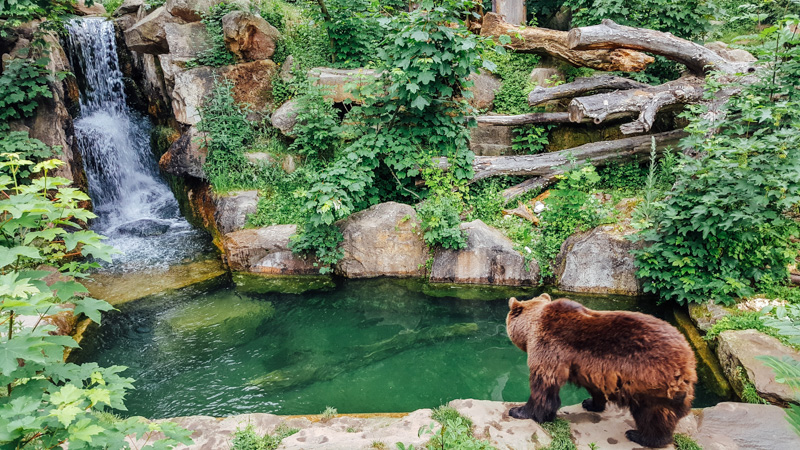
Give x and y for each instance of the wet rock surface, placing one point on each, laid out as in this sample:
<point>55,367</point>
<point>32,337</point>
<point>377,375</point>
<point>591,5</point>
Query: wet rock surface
<point>266,250</point>
<point>739,348</point>
<point>144,227</point>
<point>489,258</point>
<point>186,156</point>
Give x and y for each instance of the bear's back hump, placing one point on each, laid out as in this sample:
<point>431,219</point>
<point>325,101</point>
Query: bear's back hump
<point>608,333</point>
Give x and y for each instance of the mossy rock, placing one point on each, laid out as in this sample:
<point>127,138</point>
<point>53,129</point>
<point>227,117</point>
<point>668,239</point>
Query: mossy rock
<point>284,284</point>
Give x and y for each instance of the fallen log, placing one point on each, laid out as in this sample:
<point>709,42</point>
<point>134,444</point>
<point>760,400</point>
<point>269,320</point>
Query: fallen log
<point>523,119</point>
<point>580,86</point>
<point>528,185</point>
<point>610,35</point>
<point>647,101</point>
<point>546,165</point>
<point>327,367</point>
<point>555,43</point>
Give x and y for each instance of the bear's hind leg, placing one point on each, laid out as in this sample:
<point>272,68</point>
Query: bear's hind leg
<point>542,405</point>
<point>595,404</point>
<point>655,425</point>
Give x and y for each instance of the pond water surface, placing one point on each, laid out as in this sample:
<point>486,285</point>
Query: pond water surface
<point>381,345</point>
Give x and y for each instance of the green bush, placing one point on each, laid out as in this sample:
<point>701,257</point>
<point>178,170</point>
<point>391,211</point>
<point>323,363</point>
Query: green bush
<point>22,82</point>
<point>228,133</point>
<point>247,439</point>
<point>724,231</point>
<point>318,131</point>
<point>27,149</point>
<point>48,402</point>
<point>217,54</point>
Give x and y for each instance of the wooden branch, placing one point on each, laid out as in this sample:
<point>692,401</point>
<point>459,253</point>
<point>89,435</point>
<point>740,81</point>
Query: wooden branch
<point>523,119</point>
<point>528,185</point>
<point>580,86</point>
<point>555,43</point>
<point>610,35</point>
<point>646,101</point>
<point>547,165</point>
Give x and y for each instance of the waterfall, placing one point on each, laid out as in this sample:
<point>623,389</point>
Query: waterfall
<point>135,207</point>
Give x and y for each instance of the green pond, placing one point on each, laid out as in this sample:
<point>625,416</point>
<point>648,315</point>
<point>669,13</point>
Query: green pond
<point>381,345</point>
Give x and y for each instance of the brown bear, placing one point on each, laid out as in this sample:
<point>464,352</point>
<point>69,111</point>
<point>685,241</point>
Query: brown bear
<point>627,358</point>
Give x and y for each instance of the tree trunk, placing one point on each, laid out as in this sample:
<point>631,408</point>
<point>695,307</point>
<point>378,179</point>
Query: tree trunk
<point>552,42</point>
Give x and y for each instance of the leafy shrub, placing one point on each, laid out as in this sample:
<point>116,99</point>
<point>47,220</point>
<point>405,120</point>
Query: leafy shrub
<point>530,139</point>
<point>278,201</point>
<point>217,54</point>
<point>317,130</point>
<point>49,402</point>
<point>439,217</point>
<point>228,132</point>
<point>746,320</point>
<point>514,70</point>
<point>247,439</point>
<point>354,32</point>
<point>455,433</point>
<point>724,232</point>
<point>22,82</point>
<point>26,149</point>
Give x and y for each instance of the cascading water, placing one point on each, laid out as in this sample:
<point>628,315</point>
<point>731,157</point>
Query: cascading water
<point>135,207</point>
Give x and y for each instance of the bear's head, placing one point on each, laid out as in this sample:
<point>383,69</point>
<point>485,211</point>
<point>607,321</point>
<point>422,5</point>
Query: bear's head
<point>521,319</point>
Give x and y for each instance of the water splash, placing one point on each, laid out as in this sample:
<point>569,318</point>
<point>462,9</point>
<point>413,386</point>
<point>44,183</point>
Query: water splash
<point>135,207</point>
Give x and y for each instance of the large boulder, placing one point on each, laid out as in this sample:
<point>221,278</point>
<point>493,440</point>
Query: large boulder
<point>266,250</point>
<point>384,240</point>
<point>490,140</point>
<point>233,208</point>
<point>97,9</point>
<point>148,34</point>
<point>742,426</point>
<point>598,262</point>
<point>249,37</point>
<point>252,85</point>
<point>485,86</point>
<point>186,156</point>
<point>546,77</point>
<point>739,348</point>
<point>731,54</point>
<point>128,7</point>
<point>340,84</point>
<point>285,117</point>
<point>193,10</point>
<point>489,258</point>
<point>186,40</point>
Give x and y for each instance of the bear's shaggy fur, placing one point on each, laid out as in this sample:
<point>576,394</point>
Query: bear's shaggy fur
<point>627,358</point>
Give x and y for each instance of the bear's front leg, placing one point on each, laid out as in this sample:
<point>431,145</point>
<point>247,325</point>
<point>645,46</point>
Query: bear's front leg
<point>542,405</point>
<point>595,404</point>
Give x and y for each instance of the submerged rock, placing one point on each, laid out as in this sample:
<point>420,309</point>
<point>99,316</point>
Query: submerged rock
<point>739,348</point>
<point>384,240</point>
<point>249,37</point>
<point>489,258</point>
<point>598,262</point>
<point>144,227</point>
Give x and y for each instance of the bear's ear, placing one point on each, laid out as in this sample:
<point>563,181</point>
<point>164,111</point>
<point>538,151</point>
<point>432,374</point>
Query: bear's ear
<point>546,296</point>
<point>515,307</point>
<point>512,302</point>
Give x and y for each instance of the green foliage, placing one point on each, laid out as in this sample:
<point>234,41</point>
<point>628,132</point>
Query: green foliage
<point>153,4</point>
<point>217,54</point>
<point>317,130</point>
<point>416,110</point>
<point>787,371</point>
<point>724,232</point>
<point>278,202</point>
<point>354,32</point>
<point>560,433</point>
<point>530,139</point>
<point>228,132</point>
<point>514,70</point>
<point>684,442</point>
<point>749,393</point>
<point>49,402</point>
<point>22,82</point>
<point>27,149</point>
<point>785,320</point>
<point>111,5</point>
<point>745,320</point>
<point>455,433</point>
<point>248,439</point>
<point>439,216</point>
<point>303,36</point>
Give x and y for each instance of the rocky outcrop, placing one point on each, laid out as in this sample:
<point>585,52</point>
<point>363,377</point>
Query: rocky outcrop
<point>340,84</point>
<point>742,426</point>
<point>186,40</point>
<point>739,348</point>
<point>285,117</point>
<point>546,76</point>
<point>485,86</point>
<point>189,10</point>
<point>384,240</point>
<point>731,54</point>
<point>489,258</point>
<point>97,8</point>
<point>705,315</point>
<point>598,262</point>
<point>490,140</point>
<point>249,37</point>
<point>233,208</point>
<point>266,250</point>
<point>148,34</point>
<point>186,156</point>
<point>128,7</point>
<point>252,85</point>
